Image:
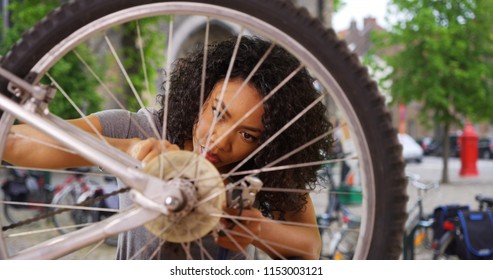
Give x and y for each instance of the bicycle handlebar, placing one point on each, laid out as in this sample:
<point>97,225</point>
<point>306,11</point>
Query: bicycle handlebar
<point>414,180</point>
<point>484,200</point>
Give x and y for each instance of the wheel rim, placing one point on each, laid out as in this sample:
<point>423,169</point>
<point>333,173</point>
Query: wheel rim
<point>364,157</point>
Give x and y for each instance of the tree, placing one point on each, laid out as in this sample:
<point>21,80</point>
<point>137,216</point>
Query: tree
<point>22,16</point>
<point>70,73</point>
<point>142,44</point>
<point>445,61</point>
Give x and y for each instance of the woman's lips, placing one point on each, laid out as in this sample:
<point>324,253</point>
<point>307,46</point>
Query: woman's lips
<point>213,158</point>
<point>210,156</point>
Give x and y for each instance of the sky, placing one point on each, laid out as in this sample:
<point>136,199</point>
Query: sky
<point>357,10</point>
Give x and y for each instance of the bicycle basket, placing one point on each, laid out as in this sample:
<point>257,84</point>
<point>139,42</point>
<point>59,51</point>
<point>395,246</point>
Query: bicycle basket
<point>443,214</point>
<point>474,239</point>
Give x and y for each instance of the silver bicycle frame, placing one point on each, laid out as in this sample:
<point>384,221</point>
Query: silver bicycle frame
<point>110,159</point>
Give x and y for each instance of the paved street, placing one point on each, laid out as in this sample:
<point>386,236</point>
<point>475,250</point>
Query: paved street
<point>460,190</point>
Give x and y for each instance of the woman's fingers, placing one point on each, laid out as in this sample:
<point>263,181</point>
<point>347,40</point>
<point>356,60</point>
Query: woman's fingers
<point>241,231</point>
<point>146,150</point>
<point>149,156</point>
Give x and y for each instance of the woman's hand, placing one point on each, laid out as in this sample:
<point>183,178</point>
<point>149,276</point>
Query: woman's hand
<point>241,231</point>
<point>146,150</point>
<point>296,236</point>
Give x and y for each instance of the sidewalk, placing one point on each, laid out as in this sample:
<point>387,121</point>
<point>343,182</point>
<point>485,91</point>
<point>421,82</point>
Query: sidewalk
<point>459,190</point>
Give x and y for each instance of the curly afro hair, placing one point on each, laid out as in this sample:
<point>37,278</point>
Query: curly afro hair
<point>282,107</point>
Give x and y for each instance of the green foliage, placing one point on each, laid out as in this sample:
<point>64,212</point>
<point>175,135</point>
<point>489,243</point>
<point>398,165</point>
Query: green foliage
<point>75,80</point>
<point>338,5</point>
<point>23,15</point>
<point>444,58</point>
<point>70,73</point>
<point>142,52</point>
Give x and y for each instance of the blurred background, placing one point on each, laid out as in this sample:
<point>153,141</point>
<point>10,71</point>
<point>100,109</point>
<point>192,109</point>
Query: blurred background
<point>432,61</point>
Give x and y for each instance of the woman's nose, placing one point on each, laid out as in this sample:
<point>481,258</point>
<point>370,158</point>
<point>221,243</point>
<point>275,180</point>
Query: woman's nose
<point>220,140</point>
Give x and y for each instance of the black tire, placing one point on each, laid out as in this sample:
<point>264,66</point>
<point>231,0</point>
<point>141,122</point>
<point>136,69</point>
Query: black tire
<point>17,213</point>
<point>381,153</point>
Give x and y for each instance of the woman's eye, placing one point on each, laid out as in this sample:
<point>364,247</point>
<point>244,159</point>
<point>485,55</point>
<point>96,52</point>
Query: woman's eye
<point>248,137</point>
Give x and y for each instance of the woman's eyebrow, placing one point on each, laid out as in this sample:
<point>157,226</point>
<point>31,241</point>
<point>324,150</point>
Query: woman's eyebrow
<point>225,112</point>
<point>223,107</point>
<point>253,129</point>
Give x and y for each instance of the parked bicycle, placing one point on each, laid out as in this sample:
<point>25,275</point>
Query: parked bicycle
<point>450,231</point>
<point>339,228</point>
<point>26,197</point>
<point>418,232</point>
<point>26,194</point>
<point>462,233</point>
<point>77,188</point>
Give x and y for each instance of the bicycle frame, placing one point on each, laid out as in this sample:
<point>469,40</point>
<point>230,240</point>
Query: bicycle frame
<point>409,237</point>
<point>419,221</point>
<point>87,146</point>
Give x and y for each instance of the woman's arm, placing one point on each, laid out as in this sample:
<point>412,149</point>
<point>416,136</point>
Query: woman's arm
<point>28,147</point>
<point>301,239</point>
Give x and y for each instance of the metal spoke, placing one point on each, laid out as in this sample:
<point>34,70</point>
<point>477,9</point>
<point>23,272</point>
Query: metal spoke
<point>74,105</point>
<point>109,93</point>
<point>223,90</point>
<point>167,80</point>
<point>132,87</point>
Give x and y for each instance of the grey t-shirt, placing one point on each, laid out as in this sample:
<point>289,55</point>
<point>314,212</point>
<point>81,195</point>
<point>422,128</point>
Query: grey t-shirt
<point>140,243</point>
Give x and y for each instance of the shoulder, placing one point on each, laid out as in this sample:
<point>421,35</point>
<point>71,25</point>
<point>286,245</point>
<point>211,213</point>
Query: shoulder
<point>120,123</point>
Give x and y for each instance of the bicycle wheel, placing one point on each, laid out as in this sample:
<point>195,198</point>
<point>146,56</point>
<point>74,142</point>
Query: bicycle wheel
<point>15,213</point>
<point>75,219</point>
<point>353,96</point>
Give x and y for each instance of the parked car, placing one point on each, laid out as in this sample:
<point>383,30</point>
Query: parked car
<point>435,147</point>
<point>485,148</point>
<point>411,150</point>
<point>424,142</point>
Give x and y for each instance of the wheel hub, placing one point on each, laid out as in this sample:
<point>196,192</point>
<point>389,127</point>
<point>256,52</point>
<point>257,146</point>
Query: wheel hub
<point>203,195</point>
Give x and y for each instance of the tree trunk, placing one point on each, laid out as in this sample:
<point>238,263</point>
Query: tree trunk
<point>445,153</point>
<point>325,10</point>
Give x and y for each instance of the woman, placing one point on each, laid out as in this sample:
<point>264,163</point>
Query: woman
<point>189,120</point>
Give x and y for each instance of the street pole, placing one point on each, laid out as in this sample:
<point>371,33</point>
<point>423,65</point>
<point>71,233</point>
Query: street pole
<point>5,16</point>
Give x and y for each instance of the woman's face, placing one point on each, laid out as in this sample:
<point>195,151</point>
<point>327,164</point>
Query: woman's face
<point>242,138</point>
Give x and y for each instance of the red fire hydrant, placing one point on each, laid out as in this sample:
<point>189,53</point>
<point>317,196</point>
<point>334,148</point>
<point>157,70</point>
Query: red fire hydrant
<point>468,151</point>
